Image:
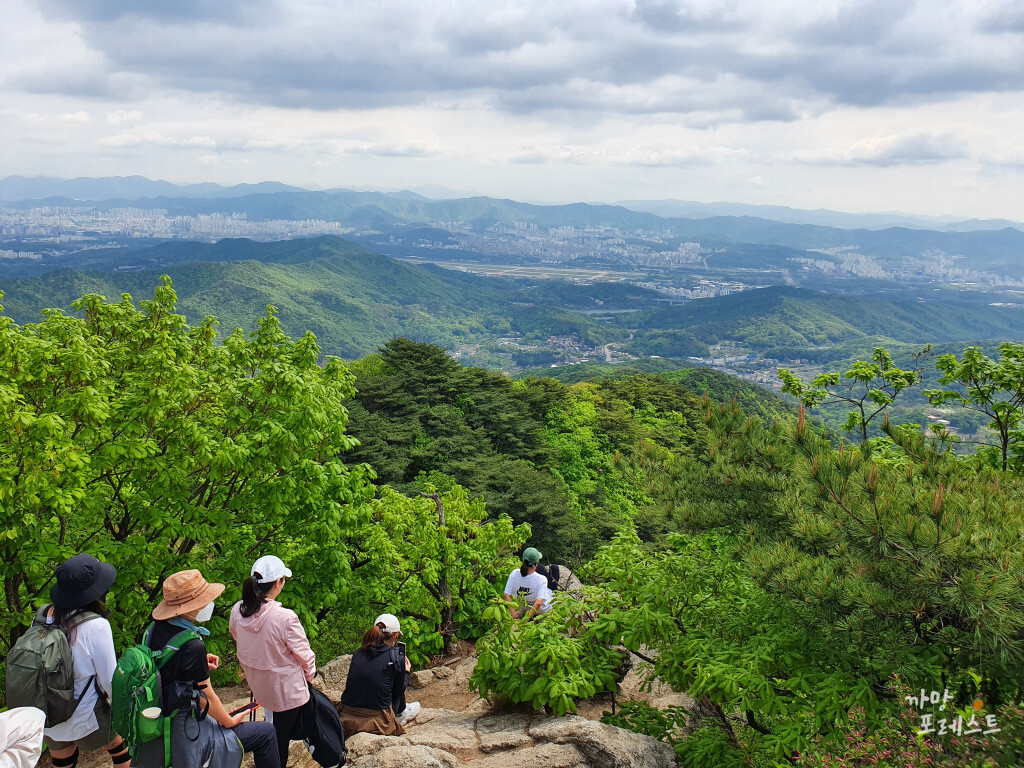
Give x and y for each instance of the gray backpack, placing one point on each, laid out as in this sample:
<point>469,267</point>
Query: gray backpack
<point>39,670</point>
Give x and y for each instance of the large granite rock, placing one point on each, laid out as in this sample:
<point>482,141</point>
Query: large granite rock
<point>331,677</point>
<point>457,728</point>
<point>639,685</point>
<point>495,739</point>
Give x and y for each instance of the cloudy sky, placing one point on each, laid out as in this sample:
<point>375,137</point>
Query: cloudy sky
<point>857,105</point>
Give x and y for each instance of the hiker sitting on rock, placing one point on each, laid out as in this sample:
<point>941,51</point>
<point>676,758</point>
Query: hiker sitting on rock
<point>78,610</point>
<point>274,652</point>
<point>216,739</point>
<point>374,697</point>
<point>526,583</point>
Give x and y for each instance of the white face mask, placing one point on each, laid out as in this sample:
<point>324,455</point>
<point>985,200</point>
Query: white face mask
<point>205,615</point>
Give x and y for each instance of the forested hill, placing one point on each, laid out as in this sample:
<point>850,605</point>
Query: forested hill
<point>719,386</point>
<point>354,300</point>
<point>351,298</point>
<point>539,450</point>
<point>780,317</point>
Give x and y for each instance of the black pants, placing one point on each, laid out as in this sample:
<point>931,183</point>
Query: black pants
<point>261,740</point>
<point>290,726</point>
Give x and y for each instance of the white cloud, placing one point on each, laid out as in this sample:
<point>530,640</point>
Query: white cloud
<point>75,117</point>
<point>124,116</point>
<point>907,149</point>
<point>198,141</point>
<point>735,59</point>
<point>410,149</point>
<point>155,139</point>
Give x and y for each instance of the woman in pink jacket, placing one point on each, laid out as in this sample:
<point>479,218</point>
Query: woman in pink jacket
<point>273,651</point>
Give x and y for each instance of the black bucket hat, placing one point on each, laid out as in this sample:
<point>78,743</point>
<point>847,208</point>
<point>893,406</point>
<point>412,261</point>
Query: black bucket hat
<point>80,580</point>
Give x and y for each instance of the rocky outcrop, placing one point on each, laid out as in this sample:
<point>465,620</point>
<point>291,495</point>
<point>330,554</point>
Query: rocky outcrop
<point>331,677</point>
<point>457,728</point>
<point>479,735</point>
<point>492,739</point>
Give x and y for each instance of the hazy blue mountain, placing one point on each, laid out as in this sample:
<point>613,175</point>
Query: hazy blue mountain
<point>38,187</point>
<point>687,209</point>
<point>750,242</point>
<point>124,188</point>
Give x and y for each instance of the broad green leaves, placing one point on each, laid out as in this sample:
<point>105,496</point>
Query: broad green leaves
<point>549,662</point>
<point>869,387</point>
<point>138,439</point>
<point>437,577</point>
<point>993,388</point>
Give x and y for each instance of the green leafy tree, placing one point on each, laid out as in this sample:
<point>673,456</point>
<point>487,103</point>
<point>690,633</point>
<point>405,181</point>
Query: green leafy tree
<point>809,576</point>
<point>992,388</point>
<point>132,436</point>
<point>869,387</point>
<point>434,560</point>
<point>550,661</point>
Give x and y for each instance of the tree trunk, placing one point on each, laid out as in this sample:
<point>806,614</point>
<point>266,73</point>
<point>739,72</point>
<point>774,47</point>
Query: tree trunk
<point>447,627</point>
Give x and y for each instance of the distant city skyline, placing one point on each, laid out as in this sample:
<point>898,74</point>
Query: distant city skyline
<point>852,105</point>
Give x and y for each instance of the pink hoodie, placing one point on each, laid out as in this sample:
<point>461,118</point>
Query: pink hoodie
<point>275,655</point>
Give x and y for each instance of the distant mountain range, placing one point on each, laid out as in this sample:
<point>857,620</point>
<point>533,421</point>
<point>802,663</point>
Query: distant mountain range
<point>355,300</point>
<point>122,189</point>
<point>822,217</point>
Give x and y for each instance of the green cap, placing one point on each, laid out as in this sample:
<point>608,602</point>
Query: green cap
<point>531,556</point>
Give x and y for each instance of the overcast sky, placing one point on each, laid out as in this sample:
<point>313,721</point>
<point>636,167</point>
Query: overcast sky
<point>859,105</point>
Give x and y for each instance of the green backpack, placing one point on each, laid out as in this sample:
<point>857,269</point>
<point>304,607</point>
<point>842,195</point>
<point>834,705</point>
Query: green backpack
<point>39,669</point>
<point>136,709</point>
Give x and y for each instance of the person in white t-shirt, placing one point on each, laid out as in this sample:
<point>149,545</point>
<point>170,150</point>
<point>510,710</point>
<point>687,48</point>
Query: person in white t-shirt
<point>82,583</point>
<point>526,584</point>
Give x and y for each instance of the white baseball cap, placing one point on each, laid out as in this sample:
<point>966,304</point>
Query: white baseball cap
<point>390,622</point>
<point>270,568</point>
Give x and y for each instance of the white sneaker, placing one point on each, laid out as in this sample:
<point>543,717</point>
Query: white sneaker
<point>412,708</point>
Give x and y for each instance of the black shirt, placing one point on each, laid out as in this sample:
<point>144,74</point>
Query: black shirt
<point>375,680</point>
<point>187,665</point>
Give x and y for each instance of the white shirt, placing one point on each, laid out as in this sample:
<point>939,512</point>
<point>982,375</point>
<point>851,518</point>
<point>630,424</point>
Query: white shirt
<point>21,737</point>
<point>531,587</point>
<point>92,653</point>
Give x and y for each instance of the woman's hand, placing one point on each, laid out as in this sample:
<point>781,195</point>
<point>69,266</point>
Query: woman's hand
<point>408,664</point>
<point>240,718</point>
<point>212,660</point>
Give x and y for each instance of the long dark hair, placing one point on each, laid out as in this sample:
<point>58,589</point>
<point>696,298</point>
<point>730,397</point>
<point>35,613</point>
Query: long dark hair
<point>525,567</point>
<point>254,595</point>
<point>62,616</point>
<point>375,635</point>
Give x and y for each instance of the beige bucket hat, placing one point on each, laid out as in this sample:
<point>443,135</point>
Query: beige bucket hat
<point>184,592</point>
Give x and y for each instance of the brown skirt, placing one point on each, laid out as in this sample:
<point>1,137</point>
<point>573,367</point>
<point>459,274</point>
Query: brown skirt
<point>359,720</point>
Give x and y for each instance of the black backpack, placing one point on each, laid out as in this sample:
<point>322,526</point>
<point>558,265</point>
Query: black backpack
<point>325,738</point>
<point>552,573</point>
